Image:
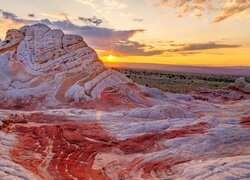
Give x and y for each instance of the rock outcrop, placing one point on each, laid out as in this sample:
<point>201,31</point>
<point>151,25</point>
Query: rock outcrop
<point>64,115</point>
<point>219,95</point>
<point>241,84</point>
<point>50,67</point>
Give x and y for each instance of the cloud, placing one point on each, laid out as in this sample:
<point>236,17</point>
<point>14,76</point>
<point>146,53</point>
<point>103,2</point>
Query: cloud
<point>132,48</point>
<point>117,41</point>
<point>31,15</point>
<point>105,7</point>
<point>232,10</point>
<point>6,24</point>
<point>101,38</point>
<point>57,16</point>
<point>115,4</point>
<point>108,40</point>
<point>12,17</point>
<point>197,8</point>
<point>8,15</point>
<point>137,20</point>
<point>91,21</point>
<point>195,47</point>
<point>126,14</point>
<point>88,2</point>
<point>98,37</point>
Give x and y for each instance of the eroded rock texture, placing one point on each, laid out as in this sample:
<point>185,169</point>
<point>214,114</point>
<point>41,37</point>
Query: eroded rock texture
<point>241,84</point>
<point>46,66</point>
<point>64,115</point>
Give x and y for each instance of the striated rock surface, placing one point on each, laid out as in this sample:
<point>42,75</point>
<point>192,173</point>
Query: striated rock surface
<point>64,115</point>
<point>49,67</point>
<point>219,96</point>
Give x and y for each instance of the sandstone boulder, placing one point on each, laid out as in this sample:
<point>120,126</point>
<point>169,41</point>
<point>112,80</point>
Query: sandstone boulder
<point>43,64</point>
<point>241,84</point>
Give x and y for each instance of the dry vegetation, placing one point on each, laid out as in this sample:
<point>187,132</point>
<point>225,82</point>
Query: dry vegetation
<point>178,82</point>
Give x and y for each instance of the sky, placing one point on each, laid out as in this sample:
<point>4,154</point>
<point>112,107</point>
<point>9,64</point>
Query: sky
<point>182,32</point>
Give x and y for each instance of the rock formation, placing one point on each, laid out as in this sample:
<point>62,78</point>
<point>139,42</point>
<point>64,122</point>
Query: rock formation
<point>219,95</point>
<point>40,64</point>
<point>241,84</point>
<point>64,115</point>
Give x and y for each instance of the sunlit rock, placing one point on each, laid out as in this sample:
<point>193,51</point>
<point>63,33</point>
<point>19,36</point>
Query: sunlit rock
<point>64,115</point>
<point>40,63</point>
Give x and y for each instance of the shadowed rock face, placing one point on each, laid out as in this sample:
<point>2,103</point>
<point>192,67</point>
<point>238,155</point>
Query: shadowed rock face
<point>64,115</point>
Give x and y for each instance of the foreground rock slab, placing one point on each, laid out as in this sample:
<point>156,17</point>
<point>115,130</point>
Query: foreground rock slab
<point>89,144</point>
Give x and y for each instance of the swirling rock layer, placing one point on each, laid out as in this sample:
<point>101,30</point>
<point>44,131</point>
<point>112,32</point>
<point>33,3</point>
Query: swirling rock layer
<point>88,144</point>
<point>49,67</point>
<point>64,115</point>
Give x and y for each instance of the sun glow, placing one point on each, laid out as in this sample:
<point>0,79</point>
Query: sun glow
<point>111,58</point>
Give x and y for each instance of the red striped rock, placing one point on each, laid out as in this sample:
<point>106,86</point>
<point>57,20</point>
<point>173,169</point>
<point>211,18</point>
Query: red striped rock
<point>53,68</point>
<point>64,115</point>
<point>52,145</point>
<point>241,85</point>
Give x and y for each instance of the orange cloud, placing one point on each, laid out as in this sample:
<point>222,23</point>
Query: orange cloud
<point>232,10</point>
<point>197,8</point>
<point>187,48</point>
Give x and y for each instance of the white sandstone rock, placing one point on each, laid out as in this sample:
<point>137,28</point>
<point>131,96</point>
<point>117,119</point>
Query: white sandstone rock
<point>41,62</point>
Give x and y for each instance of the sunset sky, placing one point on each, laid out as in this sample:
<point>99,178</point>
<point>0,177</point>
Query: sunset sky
<point>194,32</point>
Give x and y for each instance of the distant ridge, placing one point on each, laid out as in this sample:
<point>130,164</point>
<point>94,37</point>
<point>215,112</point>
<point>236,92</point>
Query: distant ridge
<point>224,70</point>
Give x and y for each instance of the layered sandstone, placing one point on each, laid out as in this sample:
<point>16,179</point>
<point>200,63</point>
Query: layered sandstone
<point>64,115</point>
<point>45,65</point>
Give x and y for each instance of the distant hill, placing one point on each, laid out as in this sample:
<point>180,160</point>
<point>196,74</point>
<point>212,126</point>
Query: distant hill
<point>224,70</point>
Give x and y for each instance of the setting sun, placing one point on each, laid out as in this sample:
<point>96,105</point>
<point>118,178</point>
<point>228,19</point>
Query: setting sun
<point>110,58</point>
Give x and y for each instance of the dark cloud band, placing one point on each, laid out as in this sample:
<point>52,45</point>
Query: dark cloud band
<point>98,37</point>
<point>118,41</point>
<point>91,21</point>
